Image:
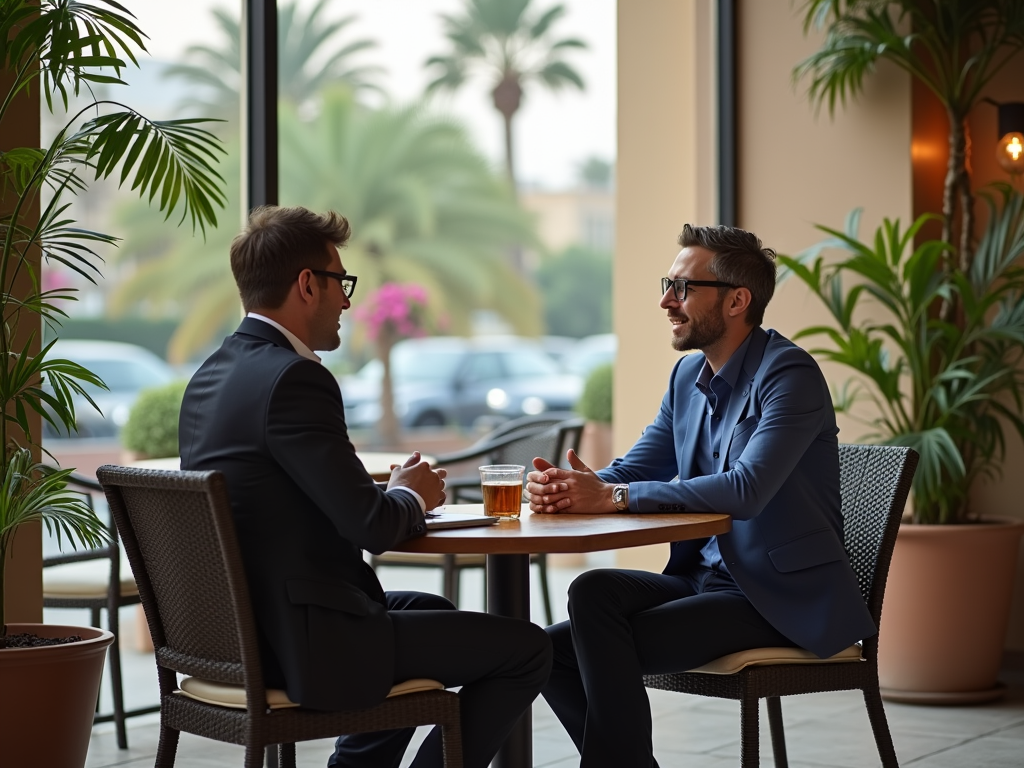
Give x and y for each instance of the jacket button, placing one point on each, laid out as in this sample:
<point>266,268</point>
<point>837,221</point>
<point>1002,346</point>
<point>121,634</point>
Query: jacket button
<point>418,529</point>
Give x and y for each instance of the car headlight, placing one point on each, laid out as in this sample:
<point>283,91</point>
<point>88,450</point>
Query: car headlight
<point>497,399</point>
<point>533,405</point>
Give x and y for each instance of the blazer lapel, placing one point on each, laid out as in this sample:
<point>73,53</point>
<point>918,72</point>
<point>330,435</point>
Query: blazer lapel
<point>687,457</point>
<point>740,396</point>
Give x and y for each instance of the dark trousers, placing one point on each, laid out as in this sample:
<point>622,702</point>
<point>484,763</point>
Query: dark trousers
<point>625,624</point>
<point>501,664</point>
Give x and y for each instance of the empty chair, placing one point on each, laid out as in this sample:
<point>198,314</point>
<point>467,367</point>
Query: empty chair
<point>875,481</point>
<point>548,436</point>
<point>93,580</point>
<point>180,538</point>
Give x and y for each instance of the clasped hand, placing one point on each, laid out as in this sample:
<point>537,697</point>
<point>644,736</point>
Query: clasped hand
<point>417,475</point>
<point>577,490</point>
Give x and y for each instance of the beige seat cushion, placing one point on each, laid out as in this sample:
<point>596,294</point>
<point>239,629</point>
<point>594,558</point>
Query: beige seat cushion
<point>757,657</point>
<point>85,579</point>
<point>233,696</point>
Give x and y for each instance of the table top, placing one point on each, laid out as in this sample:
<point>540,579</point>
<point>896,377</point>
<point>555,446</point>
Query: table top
<point>377,463</point>
<point>536,533</point>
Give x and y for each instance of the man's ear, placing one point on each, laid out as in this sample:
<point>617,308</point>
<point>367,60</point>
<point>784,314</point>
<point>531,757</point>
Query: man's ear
<point>740,302</point>
<point>305,291</point>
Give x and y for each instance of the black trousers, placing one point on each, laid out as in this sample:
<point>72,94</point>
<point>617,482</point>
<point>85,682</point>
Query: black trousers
<point>625,624</point>
<point>501,664</point>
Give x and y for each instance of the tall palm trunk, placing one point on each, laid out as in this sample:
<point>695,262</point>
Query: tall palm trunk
<point>957,185</point>
<point>508,95</point>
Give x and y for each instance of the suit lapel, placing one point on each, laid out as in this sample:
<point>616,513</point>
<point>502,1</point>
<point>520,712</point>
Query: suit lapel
<point>741,392</point>
<point>695,412</point>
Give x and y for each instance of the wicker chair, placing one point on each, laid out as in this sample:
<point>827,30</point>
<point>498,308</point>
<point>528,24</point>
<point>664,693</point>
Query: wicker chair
<point>180,539</point>
<point>85,580</point>
<point>875,482</point>
<point>549,436</point>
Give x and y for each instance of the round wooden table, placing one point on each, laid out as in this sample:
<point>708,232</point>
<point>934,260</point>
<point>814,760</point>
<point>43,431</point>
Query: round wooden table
<point>377,463</point>
<point>509,544</point>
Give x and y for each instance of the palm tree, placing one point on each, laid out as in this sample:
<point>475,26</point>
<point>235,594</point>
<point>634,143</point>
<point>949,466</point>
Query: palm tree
<point>513,46</point>
<point>424,209</point>
<point>300,40</point>
<point>955,47</point>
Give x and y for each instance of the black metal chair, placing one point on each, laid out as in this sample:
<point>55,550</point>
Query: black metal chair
<point>875,482</point>
<point>180,539</point>
<point>549,436</point>
<point>93,580</point>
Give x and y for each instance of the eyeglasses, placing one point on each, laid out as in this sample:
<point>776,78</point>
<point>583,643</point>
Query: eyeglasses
<point>682,286</point>
<point>348,282</point>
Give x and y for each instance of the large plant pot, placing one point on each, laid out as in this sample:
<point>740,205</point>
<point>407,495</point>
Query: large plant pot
<point>947,605</point>
<point>48,697</point>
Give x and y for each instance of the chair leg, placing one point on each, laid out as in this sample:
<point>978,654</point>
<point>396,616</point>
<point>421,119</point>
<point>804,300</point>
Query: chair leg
<point>116,686</point>
<point>749,756</point>
<point>880,727</point>
<point>451,579</point>
<point>258,757</point>
<point>167,747</point>
<point>287,755</point>
<point>542,567</point>
<point>451,744</point>
<point>777,731</point>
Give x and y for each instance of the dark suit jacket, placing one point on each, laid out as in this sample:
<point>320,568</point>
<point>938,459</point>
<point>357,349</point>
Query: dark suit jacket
<point>273,422</point>
<point>777,475</point>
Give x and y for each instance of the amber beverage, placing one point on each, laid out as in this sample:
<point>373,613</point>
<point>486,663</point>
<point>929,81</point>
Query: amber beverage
<point>502,486</point>
<point>502,499</point>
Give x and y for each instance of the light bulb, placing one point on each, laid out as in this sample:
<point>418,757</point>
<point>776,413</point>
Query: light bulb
<point>1010,153</point>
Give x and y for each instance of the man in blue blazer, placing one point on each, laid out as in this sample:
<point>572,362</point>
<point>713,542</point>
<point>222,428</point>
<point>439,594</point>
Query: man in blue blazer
<point>266,413</point>
<point>746,428</point>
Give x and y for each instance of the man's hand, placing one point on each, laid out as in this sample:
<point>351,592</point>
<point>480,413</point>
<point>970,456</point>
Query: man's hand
<point>417,475</point>
<point>578,490</point>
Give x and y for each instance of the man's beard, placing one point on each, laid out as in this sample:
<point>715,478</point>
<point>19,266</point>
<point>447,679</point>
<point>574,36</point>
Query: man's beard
<point>701,331</point>
<point>327,338</point>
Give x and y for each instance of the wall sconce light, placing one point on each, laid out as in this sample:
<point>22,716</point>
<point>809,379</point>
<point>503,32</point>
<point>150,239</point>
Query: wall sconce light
<point>1010,150</point>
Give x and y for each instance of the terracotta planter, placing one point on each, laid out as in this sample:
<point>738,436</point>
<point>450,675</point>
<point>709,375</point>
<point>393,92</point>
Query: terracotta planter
<point>49,697</point>
<point>596,444</point>
<point>947,605</point>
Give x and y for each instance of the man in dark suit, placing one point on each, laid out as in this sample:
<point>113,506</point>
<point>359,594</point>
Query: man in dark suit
<point>266,413</point>
<point>746,428</point>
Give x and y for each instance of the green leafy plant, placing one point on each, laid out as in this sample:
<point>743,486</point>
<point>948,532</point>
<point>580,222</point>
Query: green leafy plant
<point>152,426</point>
<point>595,404</point>
<point>953,47</point>
<point>950,391</point>
<point>63,47</point>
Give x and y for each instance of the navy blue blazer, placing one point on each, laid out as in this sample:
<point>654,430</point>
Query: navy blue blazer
<point>777,475</point>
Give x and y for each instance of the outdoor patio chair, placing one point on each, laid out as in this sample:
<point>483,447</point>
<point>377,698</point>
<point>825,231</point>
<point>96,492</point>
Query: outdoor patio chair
<point>875,481</point>
<point>549,436</point>
<point>85,580</point>
<point>179,535</point>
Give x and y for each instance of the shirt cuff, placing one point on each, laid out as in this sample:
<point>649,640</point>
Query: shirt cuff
<point>411,492</point>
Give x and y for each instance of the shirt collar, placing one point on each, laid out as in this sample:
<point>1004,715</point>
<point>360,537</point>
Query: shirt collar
<point>297,345</point>
<point>729,372</point>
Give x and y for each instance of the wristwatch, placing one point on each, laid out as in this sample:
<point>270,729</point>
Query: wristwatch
<point>620,497</point>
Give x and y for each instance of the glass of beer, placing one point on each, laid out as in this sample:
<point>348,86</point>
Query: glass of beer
<point>502,485</point>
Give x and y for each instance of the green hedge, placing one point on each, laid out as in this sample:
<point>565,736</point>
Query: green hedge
<point>595,403</point>
<point>152,428</point>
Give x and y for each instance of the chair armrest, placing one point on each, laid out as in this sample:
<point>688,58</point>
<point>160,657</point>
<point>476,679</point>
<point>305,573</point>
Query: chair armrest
<point>482,449</point>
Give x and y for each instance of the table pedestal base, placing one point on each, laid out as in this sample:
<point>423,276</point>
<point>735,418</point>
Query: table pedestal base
<point>508,594</point>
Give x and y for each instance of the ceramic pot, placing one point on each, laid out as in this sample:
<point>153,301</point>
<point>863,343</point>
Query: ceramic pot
<point>596,444</point>
<point>947,606</point>
<point>49,697</point>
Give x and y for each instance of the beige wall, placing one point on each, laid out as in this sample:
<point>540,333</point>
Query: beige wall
<point>664,77</point>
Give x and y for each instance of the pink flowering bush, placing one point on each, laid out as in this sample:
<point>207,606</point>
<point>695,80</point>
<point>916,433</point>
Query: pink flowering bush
<point>398,310</point>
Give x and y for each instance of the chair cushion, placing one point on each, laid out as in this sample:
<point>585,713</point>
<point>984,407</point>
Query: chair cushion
<point>85,579</point>
<point>757,657</point>
<point>233,696</point>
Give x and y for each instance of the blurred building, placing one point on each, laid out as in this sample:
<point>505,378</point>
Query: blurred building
<point>583,216</point>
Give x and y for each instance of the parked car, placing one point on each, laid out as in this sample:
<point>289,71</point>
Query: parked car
<point>449,380</point>
<point>126,369</point>
<point>591,352</point>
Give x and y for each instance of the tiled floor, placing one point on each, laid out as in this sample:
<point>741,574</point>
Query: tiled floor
<point>822,730</point>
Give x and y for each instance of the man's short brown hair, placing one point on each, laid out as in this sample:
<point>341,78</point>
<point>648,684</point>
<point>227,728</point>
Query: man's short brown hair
<point>739,259</point>
<point>276,245</point>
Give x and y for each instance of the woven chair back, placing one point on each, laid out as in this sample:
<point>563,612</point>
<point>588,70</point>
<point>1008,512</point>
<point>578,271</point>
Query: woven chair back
<point>179,535</point>
<point>874,481</point>
<point>549,444</point>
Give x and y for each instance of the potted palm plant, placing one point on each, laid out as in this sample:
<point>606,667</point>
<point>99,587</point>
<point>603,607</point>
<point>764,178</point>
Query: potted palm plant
<point>951,391</point>
<point>51,674</point>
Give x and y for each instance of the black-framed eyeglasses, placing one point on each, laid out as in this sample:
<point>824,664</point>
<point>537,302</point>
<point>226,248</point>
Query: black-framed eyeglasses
<point>682,285</point>
<point>348,282</point>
